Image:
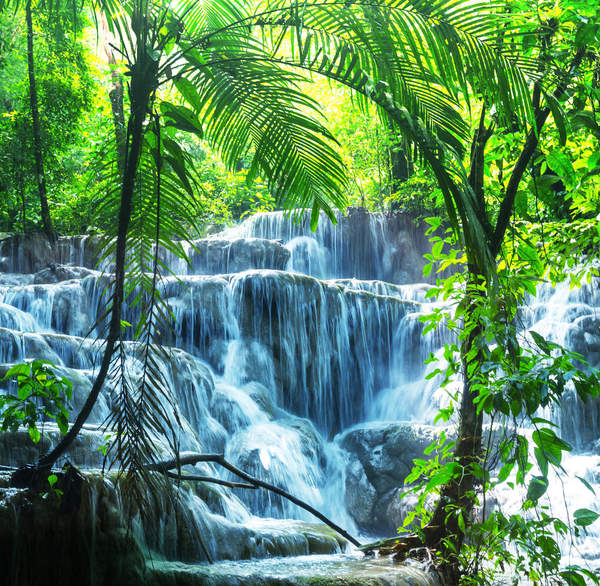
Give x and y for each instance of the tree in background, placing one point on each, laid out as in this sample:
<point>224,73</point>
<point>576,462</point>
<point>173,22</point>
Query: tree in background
<point>40,117</point>
<point>40,173</point>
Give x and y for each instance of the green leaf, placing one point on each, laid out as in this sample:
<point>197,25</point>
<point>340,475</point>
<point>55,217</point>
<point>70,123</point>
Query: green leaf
<point>573,578</point>
<point>52,480</point>
<point>585,517</point>
<point>505,471</point>
<point>18,369</point>
<point>560,163</point>
<point>540,341</point>
<point>586,34</point>
<point>181,118</point>
<point>190,93</point>
<point>62,422</point>
<point>542,460</point>
<point>559,118</point>
<point>34,434</point>
<point>586,484</point>
<point>537,488</point>
<point>24,391</point>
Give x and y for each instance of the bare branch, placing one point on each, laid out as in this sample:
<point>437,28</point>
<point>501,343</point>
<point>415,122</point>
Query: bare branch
<point>192,458</point>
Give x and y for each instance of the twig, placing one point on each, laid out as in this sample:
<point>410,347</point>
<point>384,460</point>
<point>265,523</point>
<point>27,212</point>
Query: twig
<point>209,479</point>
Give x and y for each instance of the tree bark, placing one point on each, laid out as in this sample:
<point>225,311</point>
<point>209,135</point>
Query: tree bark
<point>401,166</point>
<point>37,138</point>
<point>116,95</point>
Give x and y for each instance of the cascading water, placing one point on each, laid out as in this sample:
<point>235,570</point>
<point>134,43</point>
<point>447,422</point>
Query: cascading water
<point>299,356</point>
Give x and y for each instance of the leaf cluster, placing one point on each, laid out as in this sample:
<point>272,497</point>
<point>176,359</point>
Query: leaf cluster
<point>40,394</point>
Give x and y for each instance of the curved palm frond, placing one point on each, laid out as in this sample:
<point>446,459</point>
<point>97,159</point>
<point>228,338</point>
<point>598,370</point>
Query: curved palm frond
<point>419,56</point>
<point>250,104</point>
<point>162,211</point>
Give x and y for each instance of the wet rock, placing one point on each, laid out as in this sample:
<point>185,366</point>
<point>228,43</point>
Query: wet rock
<point>301,571</point>
<point>234,408</point>
<point>17,449</point>
<point>361,496</point>
<point>94,546</point>
<point>30,253</point>
<point>27,253</point>
<point>214,256</point>
<point>57,272</point>
<point>385,246</point>
<point>386,450</point>
<point>263,450</point>
<point>381,457</point>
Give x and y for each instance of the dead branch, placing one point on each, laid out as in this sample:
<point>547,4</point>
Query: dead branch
<point>211,479</point>
<point>192,458</point>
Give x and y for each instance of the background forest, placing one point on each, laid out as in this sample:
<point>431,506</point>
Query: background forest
<point>74,79</point>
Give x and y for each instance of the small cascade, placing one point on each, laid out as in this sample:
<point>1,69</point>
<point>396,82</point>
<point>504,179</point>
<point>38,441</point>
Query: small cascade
<point>364,246</point>
<point>297,354</point>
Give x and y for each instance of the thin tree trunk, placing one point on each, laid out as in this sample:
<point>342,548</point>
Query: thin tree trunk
<point>401,166</point>
<point>115,95</point>
<point>23,203</point>
<point>37,138</point>
<point>446,532</point>
<point>134,145</point>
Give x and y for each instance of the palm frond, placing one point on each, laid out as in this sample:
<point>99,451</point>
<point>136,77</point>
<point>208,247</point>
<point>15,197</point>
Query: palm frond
<point>247,105</point>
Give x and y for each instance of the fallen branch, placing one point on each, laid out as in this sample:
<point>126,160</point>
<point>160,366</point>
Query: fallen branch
<point>184,459</point>
<point>209,479</point>
<point>193,458</point>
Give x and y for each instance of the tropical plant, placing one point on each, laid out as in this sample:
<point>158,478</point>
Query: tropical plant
<point>40,394</point>
<point>63,88</point>
<point>499,376</point>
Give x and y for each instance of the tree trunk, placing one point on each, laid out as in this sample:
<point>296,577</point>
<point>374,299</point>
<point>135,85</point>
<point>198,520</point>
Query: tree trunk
<point>116,97</point>
<point>37,138</point>
<point>134,147</point>
<point>401,166</point>
<point>458,496</point>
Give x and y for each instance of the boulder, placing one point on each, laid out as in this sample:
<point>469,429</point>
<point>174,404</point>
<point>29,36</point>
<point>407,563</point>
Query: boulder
<point>380,458</point>
<point>42,543</point>
<point>26,253</point>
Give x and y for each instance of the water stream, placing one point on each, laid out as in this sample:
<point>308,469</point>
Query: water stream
<point>299,356</point>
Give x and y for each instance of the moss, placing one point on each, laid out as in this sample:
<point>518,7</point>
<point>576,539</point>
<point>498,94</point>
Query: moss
<point>40,544</point>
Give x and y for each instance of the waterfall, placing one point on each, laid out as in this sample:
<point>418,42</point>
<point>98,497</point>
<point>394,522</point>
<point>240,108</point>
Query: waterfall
<point>298,354</point>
